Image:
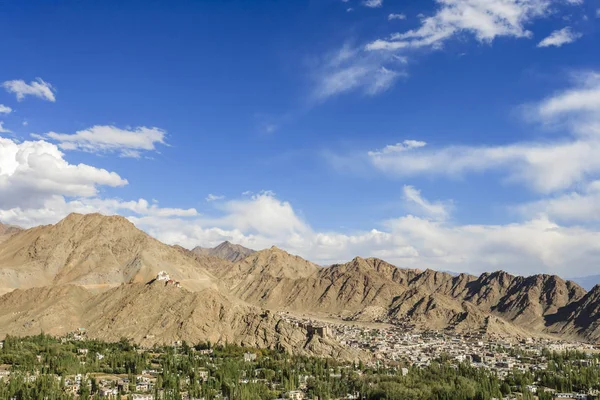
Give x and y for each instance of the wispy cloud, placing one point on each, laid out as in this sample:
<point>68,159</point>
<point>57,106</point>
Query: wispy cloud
<point>38,88</point>
<point>545,166</point>
<point>485,19</point>
<point>5,109</point>
<point>560,37</point>
<point>214,197</point>
<point>392,17</point>
<point>352,69</point>
<point>373,3</point>
<point>110,139</point>
<point>437,210</point>
<point>3,129</point>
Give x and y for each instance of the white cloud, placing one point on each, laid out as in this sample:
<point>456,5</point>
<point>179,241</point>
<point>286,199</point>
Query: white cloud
<point>263,213</point>
<point>38,88</point>
<point>560,37</point>
<point>110,139</point>
<point>393,16</point>
<point>56,207</point>
<point>214,197</point>
<point>373,3</point>
<point>33,171</point>
<point>545,166</point>
<point>536,245</point>
<point>3,129</point>
<point>436,210</point>
<point>351,69</point>
<point>399,147</point>
<point>571,207</point>
<point>583,98</point>
<point>5,109</point>
<point>485,19</point>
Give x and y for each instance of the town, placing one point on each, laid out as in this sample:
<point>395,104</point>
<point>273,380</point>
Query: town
<point>77,367</point>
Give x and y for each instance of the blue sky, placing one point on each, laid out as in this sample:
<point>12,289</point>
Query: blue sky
<point>455,134</point>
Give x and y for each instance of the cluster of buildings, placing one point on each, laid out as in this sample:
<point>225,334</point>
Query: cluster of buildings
<point>413,348</point>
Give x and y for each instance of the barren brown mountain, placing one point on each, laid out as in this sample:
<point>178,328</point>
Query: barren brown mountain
<point>226,250</point>
<point>98,272</point>
<point>92,251</point>
<point>7,231</point>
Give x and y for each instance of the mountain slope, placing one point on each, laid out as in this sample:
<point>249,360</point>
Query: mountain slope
<point>92,271</point>
<point>579,319</point>
<point>6,231</point>
<point>157,312</point>
<point>373,290</point>
<point>94,251</point>
<point>226,250</point>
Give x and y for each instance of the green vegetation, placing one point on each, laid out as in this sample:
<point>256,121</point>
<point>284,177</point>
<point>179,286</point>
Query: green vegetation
<point>44,367</point>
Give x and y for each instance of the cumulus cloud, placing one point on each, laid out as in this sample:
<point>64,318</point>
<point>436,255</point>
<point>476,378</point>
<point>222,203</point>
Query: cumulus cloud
<point>32,171</point>
<point>5,109</point>
<point>56,207</point>
<point>37,88</point>
<point>110,139</point>
<point>536,245</point>
<point>484,19</point>
<point>263,213</point>
<point>560,37</point>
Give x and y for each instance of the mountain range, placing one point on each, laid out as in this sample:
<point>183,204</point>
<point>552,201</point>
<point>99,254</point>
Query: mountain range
<point>105,275</point>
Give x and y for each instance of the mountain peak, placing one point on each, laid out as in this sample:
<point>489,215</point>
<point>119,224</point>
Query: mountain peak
<point>7,230</point>
<point>277,262</point>
<point>93,249</point>
<point>226,250</point>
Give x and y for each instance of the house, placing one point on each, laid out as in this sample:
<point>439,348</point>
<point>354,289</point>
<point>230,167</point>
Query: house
<point>163,276</point>
<point>136,396</point>
<point>295,395</point>
<point>108,392</point>
<point>571,396</point>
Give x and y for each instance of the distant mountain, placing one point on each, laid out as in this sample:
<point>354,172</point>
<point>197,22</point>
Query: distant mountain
<point>587,282</point>
<point>226,250</point>
<point>8,230</point>
<point>374,290</point>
